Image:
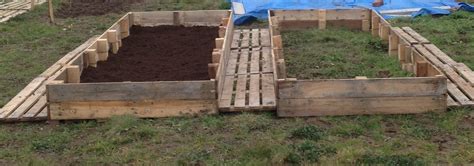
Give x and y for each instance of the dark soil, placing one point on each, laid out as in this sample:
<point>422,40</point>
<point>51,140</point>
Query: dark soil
<point>162,53</point>
<point>75,8</point>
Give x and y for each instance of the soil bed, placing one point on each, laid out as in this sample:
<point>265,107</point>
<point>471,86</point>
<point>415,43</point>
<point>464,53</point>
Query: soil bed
<point>162,53</point>
<point>337,53</point>
<point>75,8</point>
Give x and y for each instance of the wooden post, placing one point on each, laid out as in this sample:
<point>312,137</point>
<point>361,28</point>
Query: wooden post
<point>375,24</point>
<point>384,31</point>
<point>33,2</point>
<point>219,43</point>
<point>212,70</point>
<point>92,57</point>
<point>393,41</point>
<point>103,49</point>
<point>281,68</point>
<point>112,37</point>
<point>124,28</point>
<point>222,31</point>
<point>277,43</point>
<point>401,53</point>
<point>225,22</point>
<point>176,20</point>
<point>51,12</point>
<point>73,73</point>
<point>322,19</point>
<point>278,52</point>
<point>216,56</point>
<point>421,69</point>
<point>365,25</point>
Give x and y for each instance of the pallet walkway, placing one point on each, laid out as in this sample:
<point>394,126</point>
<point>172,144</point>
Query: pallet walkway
<point>11,9</point>
<point>30,104</point>
<point>249,77</point>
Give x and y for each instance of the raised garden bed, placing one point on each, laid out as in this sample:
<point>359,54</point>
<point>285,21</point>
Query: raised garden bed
<point>361,95</point>
<point>148,64</point>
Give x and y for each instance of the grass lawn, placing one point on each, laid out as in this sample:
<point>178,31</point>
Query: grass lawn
<point>29,45</point>
<point>337,53</point>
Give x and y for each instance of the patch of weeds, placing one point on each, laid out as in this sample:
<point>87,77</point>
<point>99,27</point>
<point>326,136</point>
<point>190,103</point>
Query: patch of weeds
<point>213,122</point>
<point>253,122</point>
<point>194,157</point>
<point>308,152</point>
<point>348,130</point>
<point>372,159</point>
<point>259,152</point>
<point>310,132</point>
<point>53,142</point>
<point>128,126</point>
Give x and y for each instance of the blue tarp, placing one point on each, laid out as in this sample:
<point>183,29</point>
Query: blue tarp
<point>258,8</point>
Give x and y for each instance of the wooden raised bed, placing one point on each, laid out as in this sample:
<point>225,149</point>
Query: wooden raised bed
<point>361,95</point>
<point>69,99</point>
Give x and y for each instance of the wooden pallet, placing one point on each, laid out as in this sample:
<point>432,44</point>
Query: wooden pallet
<point>249,81</point>
<point>30,104</point>
<point>249,38</point>
<point>460,77</point>
<point>12,9</point>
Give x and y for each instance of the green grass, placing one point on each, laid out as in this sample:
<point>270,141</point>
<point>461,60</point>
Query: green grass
<point>28,45</point>
<point>246,139</point>
<point>337,53</point>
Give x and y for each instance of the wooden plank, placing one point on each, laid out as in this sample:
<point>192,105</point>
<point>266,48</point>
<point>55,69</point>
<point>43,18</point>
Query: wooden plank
<point>322,19</point>
<point>267,66</point>
<point>16,101</point>
<point>73,74</point>
<point>255,38</point>
<point>440,54</point>
<point>265,37</point>
<point>404,36</point>
<point>459,81</point>
<point>25,106</point>
<point>452,103</point>
<point>255,62</point>
<point>289,15</point>
<point>416,35</point>
<point>268,90</point>
<point>348,14</point>
<point>358,106</point>
<point>203,17</point>
<point>232,64</point>
<point>132,91</point>
<point>457,94</point>
<point>428,55</point>
<point>241,90</point>
<point>244,43</point>
<point>142,109</point>
<point>36,108</point>
<point>380,87</point>
<point>236,39</point>
<point>226,97</point>
<point>243,62</point>
<point>465,72</point>
<point>254,90</point>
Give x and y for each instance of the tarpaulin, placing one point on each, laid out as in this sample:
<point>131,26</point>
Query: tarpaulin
<point>245,10</point>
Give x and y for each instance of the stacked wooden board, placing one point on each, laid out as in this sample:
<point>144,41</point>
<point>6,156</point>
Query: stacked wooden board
<point>361,95</point>
<point>14,8</point>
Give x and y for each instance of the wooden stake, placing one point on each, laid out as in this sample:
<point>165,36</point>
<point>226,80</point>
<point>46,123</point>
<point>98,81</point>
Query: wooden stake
<point>92,57</point>
<point>225,22</point>
<point>212,70</point>
<point>322,19</point>
<point>393,44</point>
<point>50,9</point>
<point>73,74</point>
<point>219,43</point>
<point>421,69</point>
<point>112,37</point>
<point>32,4</point>
<point>103,49</point>
<point>365,25</point>
<point>124,28</point>
<point>216,57</point>
<point>222,31</point>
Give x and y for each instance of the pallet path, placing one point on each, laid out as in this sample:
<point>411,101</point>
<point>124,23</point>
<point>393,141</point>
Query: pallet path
<point>249,83</point>
<point>11,9</point>
<point>30,104</point>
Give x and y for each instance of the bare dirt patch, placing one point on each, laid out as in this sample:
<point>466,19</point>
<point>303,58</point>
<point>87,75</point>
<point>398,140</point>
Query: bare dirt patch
<point>75,8</point>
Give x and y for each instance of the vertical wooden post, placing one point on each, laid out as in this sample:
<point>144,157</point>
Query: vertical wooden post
<point>73,73</point>
<point>212,70</point>
<point>33,3</point>
<point>384,31</point>
<point>401,53</point>
<point>393,41</point>
<point>92,57</point>
<point>277,43</point>
<point>275,30</point>
<point>225,22</point>
<point>281,68</point>
<point>219,43</point>
<point>51,12</point>
<point>112,37</point>
<point>222,30</point>
<point>216,56</point>
<point>278,52</point>
<point>421,69</point>
<point>365,25</point>
<point>103,49</point>
<point>176,20</point>
<point>125,28</point>
<point>322,19</point>
<point>375,24</point>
